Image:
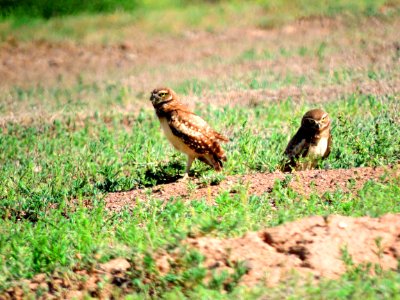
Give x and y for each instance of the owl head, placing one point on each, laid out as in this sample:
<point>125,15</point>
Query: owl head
<point>162,95</point>
<point>316,119</point>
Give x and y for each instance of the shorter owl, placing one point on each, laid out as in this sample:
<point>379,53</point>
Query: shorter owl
<point>311,142</point>
<point>187,132</point>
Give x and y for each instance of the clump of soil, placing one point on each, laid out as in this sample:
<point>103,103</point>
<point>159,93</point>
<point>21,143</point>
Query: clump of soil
<point>303,182</point>
<point>314,247</point>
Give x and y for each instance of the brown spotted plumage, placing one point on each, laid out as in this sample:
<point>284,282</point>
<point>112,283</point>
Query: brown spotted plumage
<point>311,143</point>
<point>187,132</point>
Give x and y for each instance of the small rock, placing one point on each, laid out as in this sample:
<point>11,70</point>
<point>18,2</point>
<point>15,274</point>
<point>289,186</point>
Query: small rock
<point>342,225</point>
<point>116,265</point>
<point>33,286</point>
<point>163,264</point>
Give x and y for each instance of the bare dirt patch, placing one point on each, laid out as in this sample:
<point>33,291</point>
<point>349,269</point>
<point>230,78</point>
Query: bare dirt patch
<point>215,67</point>
<point>142,63</point>
<point>311,94</point>
<point>310,249</point>
<point>303,182</point>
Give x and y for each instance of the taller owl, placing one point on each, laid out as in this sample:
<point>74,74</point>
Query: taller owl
<point>187,132</point>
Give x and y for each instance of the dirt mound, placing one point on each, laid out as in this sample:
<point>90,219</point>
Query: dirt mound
<point>304,182</point>
<point>311,248</point>
<point>316,247</point>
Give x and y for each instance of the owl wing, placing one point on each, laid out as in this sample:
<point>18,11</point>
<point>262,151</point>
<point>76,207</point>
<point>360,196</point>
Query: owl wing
<point>328,149</point>
<point>196,133</point>
<point>198,122</point>
<point>297,147</point>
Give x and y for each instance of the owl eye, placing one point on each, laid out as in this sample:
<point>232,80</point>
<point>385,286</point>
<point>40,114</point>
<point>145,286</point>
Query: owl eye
<point>162,94</point>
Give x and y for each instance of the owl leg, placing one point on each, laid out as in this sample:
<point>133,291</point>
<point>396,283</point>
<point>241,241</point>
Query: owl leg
<point>188,166</point>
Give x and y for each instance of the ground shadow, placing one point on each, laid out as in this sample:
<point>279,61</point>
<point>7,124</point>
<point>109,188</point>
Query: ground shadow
<point>163,173</point>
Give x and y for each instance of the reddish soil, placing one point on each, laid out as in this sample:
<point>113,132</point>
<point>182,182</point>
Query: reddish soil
<point>79,284</point>
<point>304,182</point>
<point>312,247</point>
<point>309,249</point>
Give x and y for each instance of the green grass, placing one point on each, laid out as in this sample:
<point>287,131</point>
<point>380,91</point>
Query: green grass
<point>354,285</point>
<point>55,239</point>
<point>47,164</point>
<point>65,145</point>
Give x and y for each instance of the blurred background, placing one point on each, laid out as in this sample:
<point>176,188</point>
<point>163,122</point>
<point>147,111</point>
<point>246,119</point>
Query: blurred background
<point>47,9</point>
<point>66,16</point>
